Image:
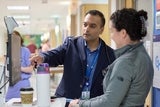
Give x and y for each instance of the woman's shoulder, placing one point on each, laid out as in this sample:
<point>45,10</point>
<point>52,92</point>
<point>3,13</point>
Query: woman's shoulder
<point>25,49</point>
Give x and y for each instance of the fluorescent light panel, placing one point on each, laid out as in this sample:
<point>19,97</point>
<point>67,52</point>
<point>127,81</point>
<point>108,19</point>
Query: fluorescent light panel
<point>55,16</point>
<point>64,3</point>
<point>18,7</point>
<point>21,16</point>
<point>23,22</point>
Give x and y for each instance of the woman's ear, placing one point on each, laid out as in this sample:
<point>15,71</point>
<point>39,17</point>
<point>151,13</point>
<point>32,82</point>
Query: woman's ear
<point>123,33</point>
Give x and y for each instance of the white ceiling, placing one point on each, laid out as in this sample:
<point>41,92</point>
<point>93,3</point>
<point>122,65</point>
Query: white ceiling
<point>42,12</point>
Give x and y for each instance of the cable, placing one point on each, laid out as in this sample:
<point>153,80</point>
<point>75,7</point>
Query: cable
<point>4,84</point>
<point>3,73</point>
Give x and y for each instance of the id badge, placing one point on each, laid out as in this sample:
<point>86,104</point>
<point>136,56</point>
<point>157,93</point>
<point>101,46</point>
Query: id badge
<point>85,95</point>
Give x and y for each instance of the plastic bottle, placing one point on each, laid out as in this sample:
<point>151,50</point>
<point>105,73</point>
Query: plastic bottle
<point>43,85</point>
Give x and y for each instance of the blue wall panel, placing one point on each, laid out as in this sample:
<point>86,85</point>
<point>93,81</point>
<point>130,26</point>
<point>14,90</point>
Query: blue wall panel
<point>156,38</point>
<point>156,97</point>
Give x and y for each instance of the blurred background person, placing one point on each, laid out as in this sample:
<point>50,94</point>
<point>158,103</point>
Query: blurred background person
<point>32,46</point>
<point>45,46</point>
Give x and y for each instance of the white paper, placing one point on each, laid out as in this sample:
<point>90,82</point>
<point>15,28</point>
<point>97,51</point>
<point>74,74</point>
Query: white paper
<point>156,64</point>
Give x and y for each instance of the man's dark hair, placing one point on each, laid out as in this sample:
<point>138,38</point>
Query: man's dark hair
<point>98,13</point>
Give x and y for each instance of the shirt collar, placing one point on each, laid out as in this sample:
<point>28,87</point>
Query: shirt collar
<point>100,42</point>
<point>127,48</point>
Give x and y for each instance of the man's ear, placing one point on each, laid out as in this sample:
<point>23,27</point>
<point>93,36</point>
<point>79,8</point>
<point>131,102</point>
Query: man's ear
<point>101,30</point>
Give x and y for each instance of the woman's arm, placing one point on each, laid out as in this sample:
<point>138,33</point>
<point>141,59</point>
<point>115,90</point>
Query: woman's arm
<point>28,69</point>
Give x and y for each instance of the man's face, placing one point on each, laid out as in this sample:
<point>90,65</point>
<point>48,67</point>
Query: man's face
<point>92,27</point>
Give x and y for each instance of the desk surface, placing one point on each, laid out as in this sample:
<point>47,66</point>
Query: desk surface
<point>58,69</point>
<point>59,102</point>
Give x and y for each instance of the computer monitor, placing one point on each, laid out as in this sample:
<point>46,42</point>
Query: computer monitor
<point>13,52</point>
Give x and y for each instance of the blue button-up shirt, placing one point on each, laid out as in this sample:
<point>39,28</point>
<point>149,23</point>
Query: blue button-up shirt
<point>92,57</point>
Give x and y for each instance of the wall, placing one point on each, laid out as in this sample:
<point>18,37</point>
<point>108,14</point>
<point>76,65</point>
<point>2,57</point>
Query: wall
<point>3,40</point>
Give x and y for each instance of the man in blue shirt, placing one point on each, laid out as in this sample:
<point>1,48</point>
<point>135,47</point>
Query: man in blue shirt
<point>84,57</point>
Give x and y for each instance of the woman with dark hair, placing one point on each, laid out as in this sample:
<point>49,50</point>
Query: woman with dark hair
<point>129,78</point>
<point>26,71</point>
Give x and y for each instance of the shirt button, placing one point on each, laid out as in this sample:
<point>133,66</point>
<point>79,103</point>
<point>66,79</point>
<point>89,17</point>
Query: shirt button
<point>81,86</point>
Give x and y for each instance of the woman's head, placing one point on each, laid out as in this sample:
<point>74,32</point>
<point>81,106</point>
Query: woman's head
<point>16,33</point>
<point>134,22</point>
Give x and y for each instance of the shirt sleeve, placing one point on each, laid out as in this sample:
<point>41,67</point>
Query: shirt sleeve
<point>25,57</point>
<point>56,56</point>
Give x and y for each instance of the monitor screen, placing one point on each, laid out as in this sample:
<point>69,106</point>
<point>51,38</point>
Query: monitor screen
<point>13,52</point>
<point>10,24</point>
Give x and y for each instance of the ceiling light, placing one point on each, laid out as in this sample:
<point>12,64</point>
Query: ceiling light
<point>22,16</point>
<point>18,7</point>
<point>64,3</point>
<point>55,16</point>
<point>25,22</point>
